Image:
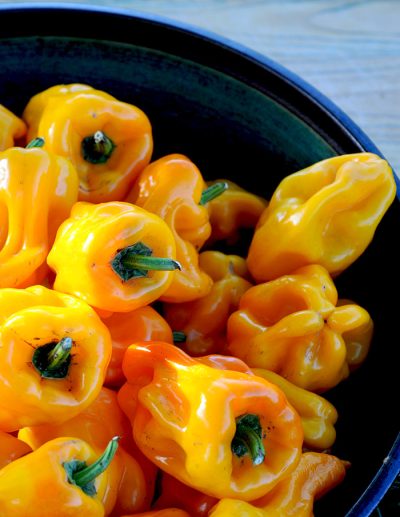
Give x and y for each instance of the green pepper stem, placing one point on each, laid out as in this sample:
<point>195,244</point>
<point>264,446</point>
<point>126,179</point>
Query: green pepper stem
<point>52,360</point>
<point>213,191</point>
<point>136,261</point>
<point>97,148</point>
<point>88,474</point>
<point>36,142</point>
<point>248,438</point>
<point>178,336</point>
<point>60,353</point>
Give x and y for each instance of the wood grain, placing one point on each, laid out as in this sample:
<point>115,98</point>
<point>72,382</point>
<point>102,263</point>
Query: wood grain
<point>349,50</point>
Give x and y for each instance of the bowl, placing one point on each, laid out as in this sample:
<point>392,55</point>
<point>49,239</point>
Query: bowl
<point>238,115</point>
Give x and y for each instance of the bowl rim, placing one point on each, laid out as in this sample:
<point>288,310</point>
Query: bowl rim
<point>386,474</point>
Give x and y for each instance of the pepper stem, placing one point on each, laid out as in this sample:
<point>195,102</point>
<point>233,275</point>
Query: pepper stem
<point>36,142</point>
<point>97,148</point>
<point>52,360</point>
<point>136,261</point>
<point>213,191</point>
<point>83,476</point>
<point>248,438</point>
<point>178,336</point>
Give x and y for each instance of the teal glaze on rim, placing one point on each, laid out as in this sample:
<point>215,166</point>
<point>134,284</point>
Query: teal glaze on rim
<point>239,115</point>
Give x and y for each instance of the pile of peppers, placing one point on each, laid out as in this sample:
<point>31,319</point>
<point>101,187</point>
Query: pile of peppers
<point>144,372</point>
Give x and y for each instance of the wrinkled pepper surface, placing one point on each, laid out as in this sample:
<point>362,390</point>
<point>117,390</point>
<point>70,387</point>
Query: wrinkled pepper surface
<point>11,448</point>
<point>37,191</point>
<point>115,256</point>
<point>54,355</point>
<point>36,105</point>
<point>97,425</point>
<point>203,321</point>
<point>64,477</point>
<point>108,141</point>
<point>325,214</point>
<point>172,188</point>
<point>318,416</point>
<point>143,324</point>
<point>224,433</point>
<point>12,128</point>
<point>292,327</point>
<point>234,209</point>
<point>315,475</point>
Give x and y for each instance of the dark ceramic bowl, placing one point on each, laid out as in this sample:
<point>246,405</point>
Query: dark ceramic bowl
<point>237,115</point>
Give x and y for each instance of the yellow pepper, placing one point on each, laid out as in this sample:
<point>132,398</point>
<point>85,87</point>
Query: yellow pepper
<point>64,477</point>
<point>12,129</point>
<point>97,425</point>
<point>108,141</point>
<point>325,214</point>
<point>222,432</point>
<point>36,105</point>
<point>115,256</point>
<point>11,448</point>
<point>315,475</point>
<point>37,191</point>
<point>292,327</point>
<point>318,416</point>
<point>54,355</point>
<point>200,326</point>
<point>233,210</point>
<point>172,188</point>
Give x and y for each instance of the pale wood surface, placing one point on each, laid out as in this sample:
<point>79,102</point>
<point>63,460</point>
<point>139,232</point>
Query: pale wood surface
<point>349,50</point>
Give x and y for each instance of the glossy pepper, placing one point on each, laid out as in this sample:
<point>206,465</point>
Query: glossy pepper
<point>108,141</point>
<point>37,191</point>
<point>292,327</point>
<point>64,477</point>
<point>11,448</point>
<point>318,416</point>
<point>172,188</point>
<point>53,356</point>
<point>315,475</point>
<point>12,128</point>
<point>97,425</point>
<point>325,214</point>
<point>36,105</point>
<point>200,325</point>
<point>176,494</point>
<point>143,324</point>
<point>234,209</point>
<point>115,256</point>
<point>225,433</point>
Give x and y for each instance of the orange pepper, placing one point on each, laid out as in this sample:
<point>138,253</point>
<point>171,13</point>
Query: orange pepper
<point>116,256</point>
<point>11,448</point>
<point>171,187</point>
<point>96,425</point>
<point>143,324</point>
<point>176,494</point>
<point>224,433</point>
<point>201,324</point>
<point>292,327</point>
<point>37,191</point>
<point>64,477</point>
<point>53,357</point>
<point>12,128</point>
<point>168,512</point>
<point>233,210</point>
<point>108,141</point>
<point>315,475</point>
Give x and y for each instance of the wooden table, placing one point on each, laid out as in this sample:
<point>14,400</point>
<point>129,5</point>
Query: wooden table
<point>349,50</point>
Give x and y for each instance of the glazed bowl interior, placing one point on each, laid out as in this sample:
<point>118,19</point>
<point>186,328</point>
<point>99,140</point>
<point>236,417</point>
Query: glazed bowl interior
<point>238,116</point>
